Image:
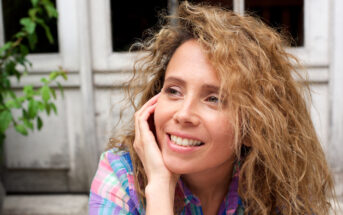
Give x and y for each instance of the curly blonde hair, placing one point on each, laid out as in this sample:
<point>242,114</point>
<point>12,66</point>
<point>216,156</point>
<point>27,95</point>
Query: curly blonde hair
<point>283,165</point>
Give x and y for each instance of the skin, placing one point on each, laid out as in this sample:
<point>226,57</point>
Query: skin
<point>188,107</point>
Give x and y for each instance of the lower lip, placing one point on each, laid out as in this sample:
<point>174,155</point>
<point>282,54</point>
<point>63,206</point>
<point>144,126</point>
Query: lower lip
<point>181,149</point>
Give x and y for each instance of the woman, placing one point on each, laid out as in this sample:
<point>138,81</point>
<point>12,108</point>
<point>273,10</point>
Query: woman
<point>221,127</point>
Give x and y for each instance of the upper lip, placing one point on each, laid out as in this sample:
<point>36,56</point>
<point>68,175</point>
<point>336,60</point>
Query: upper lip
<point>186,136</point>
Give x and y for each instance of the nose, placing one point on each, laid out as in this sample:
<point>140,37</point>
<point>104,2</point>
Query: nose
<point>187,114</point>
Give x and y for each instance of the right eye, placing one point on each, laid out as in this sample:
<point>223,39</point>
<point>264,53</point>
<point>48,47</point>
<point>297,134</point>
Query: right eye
<point>172,91</point>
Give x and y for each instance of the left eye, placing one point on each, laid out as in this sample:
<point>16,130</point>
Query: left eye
<point>212,99</point>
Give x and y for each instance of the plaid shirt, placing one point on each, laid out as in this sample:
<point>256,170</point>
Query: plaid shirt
<point>113,191</point>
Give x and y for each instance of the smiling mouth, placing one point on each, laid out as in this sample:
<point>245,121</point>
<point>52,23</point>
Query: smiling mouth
<point>185,141</point>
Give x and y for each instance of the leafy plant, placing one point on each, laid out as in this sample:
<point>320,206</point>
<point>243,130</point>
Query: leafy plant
<point>31,101</point>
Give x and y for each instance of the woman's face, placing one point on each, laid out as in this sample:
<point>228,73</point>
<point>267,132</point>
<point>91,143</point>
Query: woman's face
<point>193,132</point>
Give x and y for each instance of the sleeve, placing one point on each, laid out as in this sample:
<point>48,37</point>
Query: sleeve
<point>107,195</point>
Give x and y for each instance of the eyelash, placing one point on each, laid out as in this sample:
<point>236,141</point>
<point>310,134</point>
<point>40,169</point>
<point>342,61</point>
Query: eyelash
<point>171,91</point>
<point>213,97</point>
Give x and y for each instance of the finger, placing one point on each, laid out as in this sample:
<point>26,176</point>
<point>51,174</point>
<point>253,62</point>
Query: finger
<point>144,113</point>
<point>142,126</point>
<point>147,112</point>
<point>150,102</point>
<point>143,121</point>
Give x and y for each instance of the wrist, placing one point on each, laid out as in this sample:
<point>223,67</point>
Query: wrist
<point>160,197</point>
<point>162,186</point>
<point>163,179</point>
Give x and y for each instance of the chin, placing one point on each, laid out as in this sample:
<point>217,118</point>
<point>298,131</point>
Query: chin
<point>178,166</point>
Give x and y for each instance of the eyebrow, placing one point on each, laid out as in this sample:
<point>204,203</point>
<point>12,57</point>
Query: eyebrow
<point>210,87</point>
<point>175,79</point>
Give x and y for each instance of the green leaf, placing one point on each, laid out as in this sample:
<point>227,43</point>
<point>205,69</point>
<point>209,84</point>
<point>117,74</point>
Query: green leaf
<point>21,99</point>
<point>28,124</point>
<point>6,83</point>
<point>61,89</point>
<point>53,76</point>
<point>29,25</point>
<point>28,91</point>
<point>5,120</point>
<point>10,68</point>
<point>41,106</point>
<point>32,13</point>
<point>45,93</point>
<point>47,108</point>
<point>44,80</point>
<point>20,34</point>
<point>21,59</point>
<point>34,2</point>
<point>11,104</point>
<point>48,33</point>
<point>64,75</point>
<point>39,21</point>
<point>23,50</point>
<point>5,47</point>
<point>32,38</point>
<point>25,114</point>
<point>53,107</point>
<point>32,108</point>
<point>50,9</point>
<point>39,123</point>
<point>13,95</point>
<point>15,103</point>
<point>21,129</point>
<point>53,93</point>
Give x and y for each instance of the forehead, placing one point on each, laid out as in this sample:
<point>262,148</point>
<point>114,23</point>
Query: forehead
<point>190,62</point>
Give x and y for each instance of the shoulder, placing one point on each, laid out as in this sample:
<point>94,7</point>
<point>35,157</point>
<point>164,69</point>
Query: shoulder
<point>113,185</point>
<point>118,162</point>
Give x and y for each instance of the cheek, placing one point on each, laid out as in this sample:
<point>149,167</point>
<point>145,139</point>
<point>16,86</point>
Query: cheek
<point>222,130</point>
<point>163,111</point>
<point>222,143</point>
<point>158,114</point>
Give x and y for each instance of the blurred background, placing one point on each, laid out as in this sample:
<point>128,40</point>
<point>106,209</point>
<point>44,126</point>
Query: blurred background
<point>49,171</point>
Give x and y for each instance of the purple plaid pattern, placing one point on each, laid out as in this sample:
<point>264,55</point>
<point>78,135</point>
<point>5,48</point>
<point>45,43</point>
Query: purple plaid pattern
<point>113,192</point>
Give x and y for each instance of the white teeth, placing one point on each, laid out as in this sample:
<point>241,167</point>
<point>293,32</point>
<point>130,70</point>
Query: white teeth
<point>184,142</point>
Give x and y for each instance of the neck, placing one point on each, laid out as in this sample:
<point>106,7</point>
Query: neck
<point>212,184</point>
